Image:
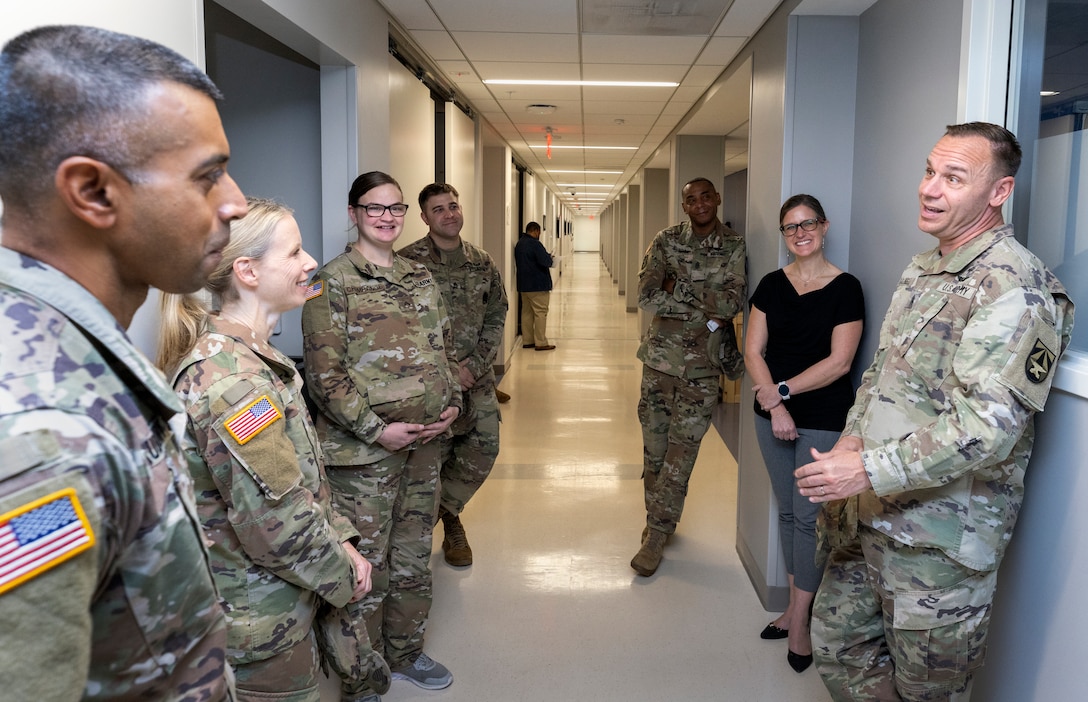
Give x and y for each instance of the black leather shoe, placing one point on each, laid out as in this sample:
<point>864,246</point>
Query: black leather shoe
<point>528,346</point>
<point>773,632</point>
<point>797,661</point>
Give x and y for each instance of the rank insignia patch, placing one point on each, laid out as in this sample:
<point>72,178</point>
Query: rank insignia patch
<point>254,419</point>
<point>40,535</point>
<point>1039,362</point>
<point>315,289</point>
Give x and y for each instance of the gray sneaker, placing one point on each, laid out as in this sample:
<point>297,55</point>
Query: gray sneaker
<point>425,672</point>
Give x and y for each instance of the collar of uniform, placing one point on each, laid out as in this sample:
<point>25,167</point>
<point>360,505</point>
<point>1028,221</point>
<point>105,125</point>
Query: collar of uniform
<point>75,302</point>
<point>402,267</point>
<point>932,262</point>
<point>244,335</point>
<point>713,239</point>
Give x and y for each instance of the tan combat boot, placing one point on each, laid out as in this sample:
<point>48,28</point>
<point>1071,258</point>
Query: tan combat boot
<point>648,557</point>
<point>455,543</point>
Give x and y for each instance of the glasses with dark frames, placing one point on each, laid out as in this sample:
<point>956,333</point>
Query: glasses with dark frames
<point>808,225</point>
<point>373,209</point>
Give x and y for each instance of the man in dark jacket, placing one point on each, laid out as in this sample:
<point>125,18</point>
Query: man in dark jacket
<point>534,286</point>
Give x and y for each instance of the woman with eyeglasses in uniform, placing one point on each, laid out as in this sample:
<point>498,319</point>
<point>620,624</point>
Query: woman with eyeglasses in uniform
<point>378,360</point>
<point>804,327</point>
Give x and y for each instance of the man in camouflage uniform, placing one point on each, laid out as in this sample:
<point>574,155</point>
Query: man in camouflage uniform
<point>113,179</point>
<point>475,299</point>
<point>692,279</point>
<point>937,442</point>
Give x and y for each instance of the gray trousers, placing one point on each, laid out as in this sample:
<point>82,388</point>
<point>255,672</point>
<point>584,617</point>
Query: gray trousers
<point>796,515</point>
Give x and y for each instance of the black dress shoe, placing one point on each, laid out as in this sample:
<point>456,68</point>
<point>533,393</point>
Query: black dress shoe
<point>773,632</point>
<point>528,346</point>
<point>797,661</point>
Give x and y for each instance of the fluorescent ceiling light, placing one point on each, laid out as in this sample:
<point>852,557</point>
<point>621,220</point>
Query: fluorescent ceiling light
<point>605,172</point>
<point>593,83</point>
<point>585,185</point>
<point>1048,93</point>
<point>553,146</point>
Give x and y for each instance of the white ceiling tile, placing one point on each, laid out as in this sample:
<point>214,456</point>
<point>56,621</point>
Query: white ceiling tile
<point>701,76</point>
<point>511,70</point>
<point>412,14</point>
<point>745,18</point>
<point>719,51</point>
<point>663,50</point>
<point>526,47</point>
<point>508,15</point>
<point>438,45</point>
<point>633,71</point>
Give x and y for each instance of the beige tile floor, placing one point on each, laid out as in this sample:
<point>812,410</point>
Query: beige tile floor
<point>551,609</point>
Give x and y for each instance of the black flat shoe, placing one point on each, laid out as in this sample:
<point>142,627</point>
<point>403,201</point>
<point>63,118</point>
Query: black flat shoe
<point>773,632</point>
<point>797,661</point>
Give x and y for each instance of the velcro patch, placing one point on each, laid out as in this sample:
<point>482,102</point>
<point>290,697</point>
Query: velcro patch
<point>40,535</point>
<point>1039,362</point>
<point>255,418</point>
<point>315,289</point>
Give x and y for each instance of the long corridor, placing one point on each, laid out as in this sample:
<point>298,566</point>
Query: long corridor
<point>550,609</point>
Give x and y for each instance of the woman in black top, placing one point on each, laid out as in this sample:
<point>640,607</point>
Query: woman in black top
<point>803,331</point>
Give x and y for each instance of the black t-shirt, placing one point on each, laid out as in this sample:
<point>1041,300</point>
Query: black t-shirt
<point>799,331</point>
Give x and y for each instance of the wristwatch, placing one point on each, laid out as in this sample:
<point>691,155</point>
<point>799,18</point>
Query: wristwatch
<point>783,390</point>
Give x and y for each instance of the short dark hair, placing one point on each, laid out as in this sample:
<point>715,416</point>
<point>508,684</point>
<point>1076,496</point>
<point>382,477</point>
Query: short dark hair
<point>531,227</point>
<point>802,200</point>
<point>1005,148</point>
<point>367,182</point>
<point>68,90</point>
<point>700,179</point>
<point>436,189</point>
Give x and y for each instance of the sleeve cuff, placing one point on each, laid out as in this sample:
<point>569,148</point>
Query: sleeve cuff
<point>886,471</point>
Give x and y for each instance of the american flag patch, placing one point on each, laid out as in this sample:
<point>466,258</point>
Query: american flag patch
<point>41,534</point>
<point>253,419</point>
<point>315,289</point>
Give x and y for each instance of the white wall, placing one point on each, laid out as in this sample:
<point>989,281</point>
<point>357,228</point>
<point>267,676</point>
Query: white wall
<point>411,142</point>
<point>464,160</point>
<point>587,233</point>
<point>178,24</point>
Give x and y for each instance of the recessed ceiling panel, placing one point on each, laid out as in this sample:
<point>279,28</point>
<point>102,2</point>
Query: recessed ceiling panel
<point>652,17</point>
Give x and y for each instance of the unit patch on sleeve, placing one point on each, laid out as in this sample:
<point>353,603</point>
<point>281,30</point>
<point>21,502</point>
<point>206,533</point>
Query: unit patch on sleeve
<point>40,535</point>
<point>1038,363</point>
<point>252,420</point>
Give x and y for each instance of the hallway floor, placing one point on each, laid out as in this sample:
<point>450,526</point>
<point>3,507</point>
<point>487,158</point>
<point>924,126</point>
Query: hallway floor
<point>551,609</point>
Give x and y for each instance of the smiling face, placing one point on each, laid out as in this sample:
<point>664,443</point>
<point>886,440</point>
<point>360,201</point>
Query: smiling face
<point>700,203</point>
<point>960,195</point>
<point>381,232</point>
<point>443,216</point>
<point>802,244</point>
<point>181,201</point>
<point>283,272</point>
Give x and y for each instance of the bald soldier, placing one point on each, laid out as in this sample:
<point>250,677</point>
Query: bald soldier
<point>113,175</point>
<point>928,475</point>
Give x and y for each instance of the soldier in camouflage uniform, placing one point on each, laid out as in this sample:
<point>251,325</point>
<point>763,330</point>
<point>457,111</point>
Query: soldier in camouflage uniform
<point>692,279</point>
<point>278,551</point>
<point>379,359</point>
<point>475,298</point>
<point>112,175</point>
<point>938,440</point>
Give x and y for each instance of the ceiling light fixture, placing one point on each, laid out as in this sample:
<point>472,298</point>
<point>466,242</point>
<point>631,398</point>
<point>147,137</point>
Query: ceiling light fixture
<point>540,109</point>
<point>589,83</point>
<point>599,172</point>
<point>624,148</point>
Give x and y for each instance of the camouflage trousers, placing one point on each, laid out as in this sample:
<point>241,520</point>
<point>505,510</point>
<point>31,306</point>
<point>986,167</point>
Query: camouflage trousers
<point>675,414</point>
<point>393,504</point>
<point>469,455</point>
<point>290,676</point>
<point>895,622</point>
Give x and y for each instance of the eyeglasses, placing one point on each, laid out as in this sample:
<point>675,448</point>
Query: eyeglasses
<point>375,210</point>
<point>809,225</point>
